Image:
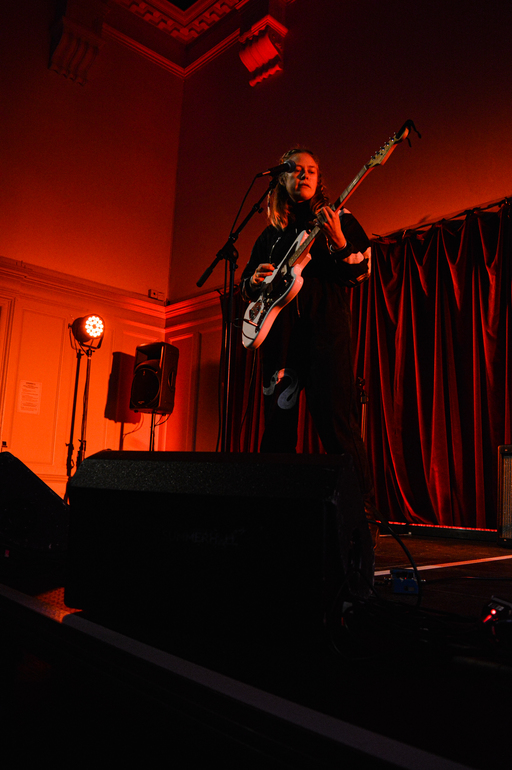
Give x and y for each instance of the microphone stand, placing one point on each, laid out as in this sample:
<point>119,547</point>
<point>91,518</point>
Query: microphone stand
<point>229,253</point>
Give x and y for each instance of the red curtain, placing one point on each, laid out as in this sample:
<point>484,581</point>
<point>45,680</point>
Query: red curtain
<point>431,339</point>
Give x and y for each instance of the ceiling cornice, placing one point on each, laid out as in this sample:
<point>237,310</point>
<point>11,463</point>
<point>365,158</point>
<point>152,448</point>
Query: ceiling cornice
<point>166,62</point>
<point>185,26</point>
<point>179,41</point>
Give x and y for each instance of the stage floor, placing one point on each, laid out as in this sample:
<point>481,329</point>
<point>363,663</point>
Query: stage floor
<point>418,669</point>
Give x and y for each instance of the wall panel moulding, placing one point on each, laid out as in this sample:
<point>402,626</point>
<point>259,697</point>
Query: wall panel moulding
<point>20,279</point>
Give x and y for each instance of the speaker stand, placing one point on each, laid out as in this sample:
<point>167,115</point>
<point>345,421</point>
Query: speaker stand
<point>152,433</point>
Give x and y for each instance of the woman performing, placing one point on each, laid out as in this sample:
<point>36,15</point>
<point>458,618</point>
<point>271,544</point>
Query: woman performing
<point>309,343</point>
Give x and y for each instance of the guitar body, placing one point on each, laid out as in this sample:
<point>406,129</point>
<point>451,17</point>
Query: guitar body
<point>277,291</point>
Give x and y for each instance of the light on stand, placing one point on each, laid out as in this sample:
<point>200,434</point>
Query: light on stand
<point>88,331</point>
<point>86,336</point>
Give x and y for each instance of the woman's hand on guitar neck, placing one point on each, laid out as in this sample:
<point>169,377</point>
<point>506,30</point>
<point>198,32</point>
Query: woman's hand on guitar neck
<point>261,272</point>
<point>329,222</point>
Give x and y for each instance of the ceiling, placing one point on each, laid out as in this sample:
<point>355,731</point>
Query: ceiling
<point>171,34</point>
<point>183,5</point>
<point>182,19</point>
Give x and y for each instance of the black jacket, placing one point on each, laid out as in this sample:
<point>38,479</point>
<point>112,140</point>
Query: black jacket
<point>346,268</point>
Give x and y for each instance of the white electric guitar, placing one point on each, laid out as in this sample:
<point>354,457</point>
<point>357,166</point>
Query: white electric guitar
<point>278,289</point>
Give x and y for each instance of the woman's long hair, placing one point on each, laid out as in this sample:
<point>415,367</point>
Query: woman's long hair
<point>279,204</point>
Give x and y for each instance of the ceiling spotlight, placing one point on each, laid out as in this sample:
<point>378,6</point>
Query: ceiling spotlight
<point>88,330</point>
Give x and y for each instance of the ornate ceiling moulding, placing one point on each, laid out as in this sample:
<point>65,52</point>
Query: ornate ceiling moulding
<point>261,49</point>
<point>258,25</point>
<point>76,39</point>
<point>179,41</point>
<point>183,25</point>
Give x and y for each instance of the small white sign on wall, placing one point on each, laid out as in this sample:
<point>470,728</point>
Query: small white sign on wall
<point>29,399</point>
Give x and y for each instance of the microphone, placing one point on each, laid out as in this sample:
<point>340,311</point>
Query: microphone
<point>289,165</point>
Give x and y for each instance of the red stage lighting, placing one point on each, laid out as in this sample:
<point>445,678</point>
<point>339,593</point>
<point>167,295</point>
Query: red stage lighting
<point>88,330</point>
<point>86,336</point>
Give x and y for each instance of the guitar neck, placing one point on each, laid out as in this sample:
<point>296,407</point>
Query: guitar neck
<point>345,195</point>
<point>376,160</point>
<point>304,247</point>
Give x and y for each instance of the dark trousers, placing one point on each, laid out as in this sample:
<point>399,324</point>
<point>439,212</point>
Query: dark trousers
<point>309,348</point>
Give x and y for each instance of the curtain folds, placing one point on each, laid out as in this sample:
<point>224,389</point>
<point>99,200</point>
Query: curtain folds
<point>431,337</point>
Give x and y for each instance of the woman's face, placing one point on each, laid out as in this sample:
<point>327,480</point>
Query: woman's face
<point>301,184</point>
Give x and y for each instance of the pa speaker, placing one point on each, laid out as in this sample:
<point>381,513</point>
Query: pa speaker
<point>505,495</point>
<point>117,407</point>
<point>32,516</point>
<point>221,549</point>
<point>154,378</point>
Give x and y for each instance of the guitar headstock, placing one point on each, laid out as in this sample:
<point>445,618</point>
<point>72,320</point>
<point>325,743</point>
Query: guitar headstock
<point>380,157</point>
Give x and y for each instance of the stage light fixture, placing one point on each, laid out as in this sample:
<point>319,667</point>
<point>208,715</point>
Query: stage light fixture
<point>88,330</point>
<point>86,336</point>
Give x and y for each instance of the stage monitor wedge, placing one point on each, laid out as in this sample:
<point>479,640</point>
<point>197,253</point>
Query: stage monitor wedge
<point>33,518</point>
<point>231,548</point>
